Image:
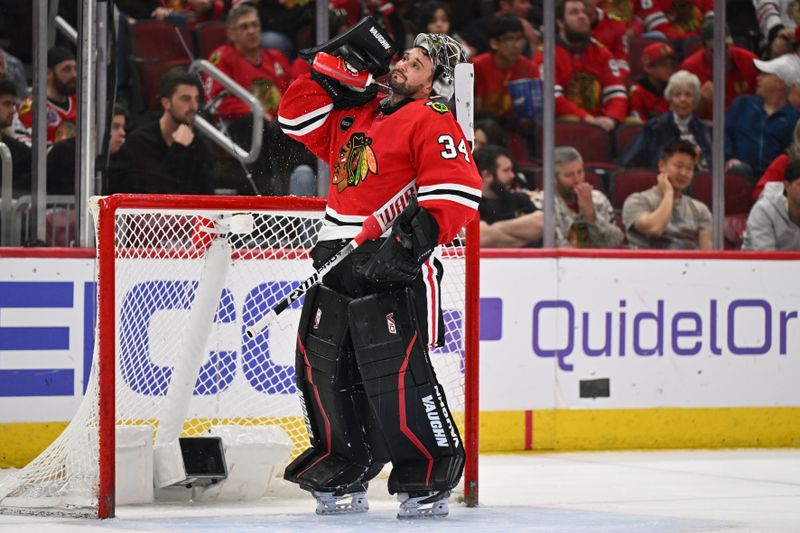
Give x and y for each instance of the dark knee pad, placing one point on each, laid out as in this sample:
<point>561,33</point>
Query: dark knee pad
<point>329,386</point>
<point>422,439</point>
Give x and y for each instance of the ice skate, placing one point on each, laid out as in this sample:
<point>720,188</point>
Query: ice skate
<point>330,503</point>
<point>423,505</point>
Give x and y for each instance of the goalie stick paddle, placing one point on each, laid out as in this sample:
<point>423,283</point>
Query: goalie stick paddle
<point>464,89</point>
<point>372,228</point>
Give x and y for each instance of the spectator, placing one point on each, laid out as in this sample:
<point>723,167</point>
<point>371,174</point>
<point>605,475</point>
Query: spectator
<point>775,26</point>
<point>776,169</point>
<point>265,73</point>
<point>489,131</point>
<point>62,81</point>
<point>588,83</point>
<point>189,12</point>
<point>774,222</point>
<point>683,94</point>
<point>674,19</point>
<point>508,217</point>
<point>12,69</point>
<point>646,97</point>
<point>505,63</point>
<point>740,74</point>
<point>61,159</point>
<point>663,216</point>
<point>584,216</point>
<point>759,127</point>
<point>521,9</point>
<point>283,23</point>
<point>165,156</point>
<point>435,17</point>
<point>612,32</point>
<point>20,153</point>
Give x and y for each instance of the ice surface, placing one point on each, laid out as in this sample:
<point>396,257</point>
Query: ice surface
<point>619,492</point>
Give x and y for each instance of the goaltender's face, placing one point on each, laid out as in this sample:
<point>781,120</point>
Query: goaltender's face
<point>412,76</point>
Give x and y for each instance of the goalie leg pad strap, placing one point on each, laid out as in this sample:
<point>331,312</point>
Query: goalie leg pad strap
<point>423,442</point>
<point>330,388</point>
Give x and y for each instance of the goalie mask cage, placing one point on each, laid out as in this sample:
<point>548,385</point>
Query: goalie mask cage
<point>154,258</point>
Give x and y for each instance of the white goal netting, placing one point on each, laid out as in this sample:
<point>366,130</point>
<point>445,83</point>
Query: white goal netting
<point>163,257</point>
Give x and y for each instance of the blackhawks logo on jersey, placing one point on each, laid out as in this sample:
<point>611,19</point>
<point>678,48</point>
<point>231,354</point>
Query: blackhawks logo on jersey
<point>356,161</point>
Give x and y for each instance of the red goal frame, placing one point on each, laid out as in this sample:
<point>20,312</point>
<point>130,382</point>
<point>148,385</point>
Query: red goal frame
<point>106,332</point>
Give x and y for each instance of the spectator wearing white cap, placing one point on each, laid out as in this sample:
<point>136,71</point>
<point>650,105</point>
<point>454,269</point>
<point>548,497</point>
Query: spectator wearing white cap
<point>759,127</point>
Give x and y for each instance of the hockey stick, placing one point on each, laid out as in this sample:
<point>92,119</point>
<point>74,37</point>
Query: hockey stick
<point>465,110</point>
<point>372,228</point>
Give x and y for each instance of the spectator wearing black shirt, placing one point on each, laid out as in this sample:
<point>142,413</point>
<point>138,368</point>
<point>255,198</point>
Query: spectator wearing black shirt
<point>508,217</point>
<point>20,153</point>
<point>166,156</point>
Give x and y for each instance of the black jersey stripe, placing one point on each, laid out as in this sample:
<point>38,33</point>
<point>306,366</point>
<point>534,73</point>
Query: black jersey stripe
<point>450,192</point>
<point>309,122</point>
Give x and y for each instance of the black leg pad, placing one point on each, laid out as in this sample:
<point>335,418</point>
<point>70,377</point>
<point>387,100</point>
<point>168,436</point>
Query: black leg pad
<point>423,442</point>
<point>330,388</point>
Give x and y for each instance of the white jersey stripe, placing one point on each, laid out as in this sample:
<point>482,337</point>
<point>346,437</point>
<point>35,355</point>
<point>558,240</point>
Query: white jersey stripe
<point>303,118</point>
<point>473,204</point>
<point>451,186</point>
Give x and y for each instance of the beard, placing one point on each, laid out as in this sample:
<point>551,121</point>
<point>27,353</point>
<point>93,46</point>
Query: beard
<point>186,118</point>
<point>402,88</point>
<point>577,37</point>
<point>65,88</point>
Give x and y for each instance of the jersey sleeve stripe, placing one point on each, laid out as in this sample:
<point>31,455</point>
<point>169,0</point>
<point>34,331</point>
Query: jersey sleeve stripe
<point>306,123</point>
<point>450,187</point>
<point>471,202</point>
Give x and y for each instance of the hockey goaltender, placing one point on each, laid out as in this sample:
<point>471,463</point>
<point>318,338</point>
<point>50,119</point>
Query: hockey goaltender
<point>369,392</point>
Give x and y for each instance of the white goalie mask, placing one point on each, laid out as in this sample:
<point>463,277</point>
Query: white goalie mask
<point>446,53</point>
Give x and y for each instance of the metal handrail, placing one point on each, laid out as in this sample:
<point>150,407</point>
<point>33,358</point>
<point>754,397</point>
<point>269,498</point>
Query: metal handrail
<point>217,136</point>
<point>66,29</point>
<point>6,188</point>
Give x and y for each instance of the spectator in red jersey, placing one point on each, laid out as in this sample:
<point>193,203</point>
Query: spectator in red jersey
<point>675,19</point>
<point>62,81</point>
<point>505,63</point>
<point>265,73</point>
<point>189,12</point>
<point>612,32</point>
<point>740,73</point>
<point>646,97</point>
<point>588,83</point>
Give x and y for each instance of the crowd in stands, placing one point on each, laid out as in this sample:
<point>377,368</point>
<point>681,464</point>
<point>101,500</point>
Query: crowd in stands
<point>633,101</point>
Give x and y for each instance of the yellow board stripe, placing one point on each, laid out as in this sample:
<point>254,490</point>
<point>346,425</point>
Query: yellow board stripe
<point>546,430</point>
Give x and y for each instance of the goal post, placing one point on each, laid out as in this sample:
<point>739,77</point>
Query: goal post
<point>180,279</point>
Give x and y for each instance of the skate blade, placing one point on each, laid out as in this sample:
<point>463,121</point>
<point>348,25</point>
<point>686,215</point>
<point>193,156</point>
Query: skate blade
<point>327,504</point>
<point>438,509</point>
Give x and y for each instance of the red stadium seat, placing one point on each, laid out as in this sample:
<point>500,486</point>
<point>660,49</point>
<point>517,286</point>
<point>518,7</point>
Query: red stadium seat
<point>210,36</point>
<point>738,192</point>
<point>627,182</point>
<point>157,46</point>
<point>518,148</point>
<point>593,142</point>
<point>624,137</point>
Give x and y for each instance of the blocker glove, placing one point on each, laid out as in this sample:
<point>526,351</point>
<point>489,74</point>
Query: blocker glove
<point>414,236</point>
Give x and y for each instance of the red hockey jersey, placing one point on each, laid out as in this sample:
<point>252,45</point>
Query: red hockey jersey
<point>376,152</point>
<point>612,32</point>
<point>645,101</point>
<point>60,120</point>
<point>491,82</point>
<point>740,78</point>
<point>588,82</point>
<point>674,18</point>
<point>266,81</point>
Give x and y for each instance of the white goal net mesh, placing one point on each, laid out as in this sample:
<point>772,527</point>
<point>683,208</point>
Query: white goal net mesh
<point>160,260</point>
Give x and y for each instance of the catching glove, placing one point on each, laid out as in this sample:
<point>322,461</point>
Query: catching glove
<point>414,236</point>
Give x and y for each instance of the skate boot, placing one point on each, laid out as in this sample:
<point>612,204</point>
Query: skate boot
<point>333,503</point>
<point>423,504</point>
